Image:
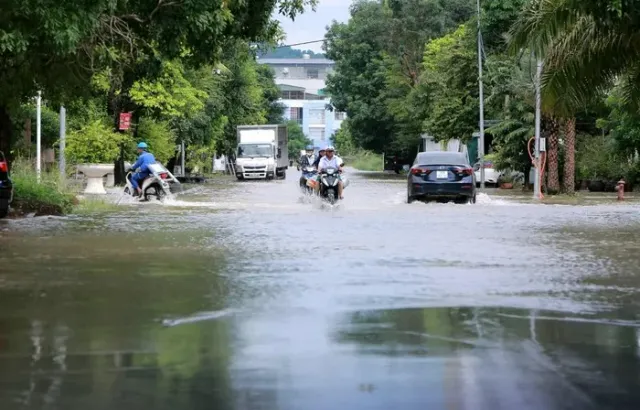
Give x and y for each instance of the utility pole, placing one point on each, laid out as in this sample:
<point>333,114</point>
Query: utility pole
<point>184,172</point>
<point>481,97</point>
<point>62,163</point>
<point>537,189</point>
<point>38,134</point>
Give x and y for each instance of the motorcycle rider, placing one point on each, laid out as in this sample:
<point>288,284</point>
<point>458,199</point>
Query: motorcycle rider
<point>330,160</point>
<point>321,154</point>
<point>308,159</point>
<point>144,160</point>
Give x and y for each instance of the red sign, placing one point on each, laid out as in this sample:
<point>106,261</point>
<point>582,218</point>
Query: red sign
<point>125,121</point>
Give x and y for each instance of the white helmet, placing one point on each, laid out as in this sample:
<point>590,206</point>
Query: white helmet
<point>330,148</point>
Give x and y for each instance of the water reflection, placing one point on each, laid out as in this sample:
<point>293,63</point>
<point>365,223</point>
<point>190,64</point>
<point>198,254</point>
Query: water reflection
<point>230,309</point>
<point>503,357</point>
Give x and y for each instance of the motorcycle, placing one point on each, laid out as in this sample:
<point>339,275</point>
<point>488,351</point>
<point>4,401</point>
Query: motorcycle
<point>329,179</point>
<point>158,184</point>
<point>308,179</point>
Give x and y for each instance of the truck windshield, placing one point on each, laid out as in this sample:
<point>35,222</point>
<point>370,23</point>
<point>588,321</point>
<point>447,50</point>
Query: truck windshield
<point>255,150</point>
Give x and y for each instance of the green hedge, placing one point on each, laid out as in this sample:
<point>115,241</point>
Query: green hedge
<point>47,197</point>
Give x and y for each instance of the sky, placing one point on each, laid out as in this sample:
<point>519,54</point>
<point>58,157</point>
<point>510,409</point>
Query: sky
<point>312,25</point>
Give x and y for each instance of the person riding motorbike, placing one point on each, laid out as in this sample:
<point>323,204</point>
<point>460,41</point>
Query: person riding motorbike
<point>321,154</point>
<point>308,159</point>
<point>144,160</point>
<point>330,160</point>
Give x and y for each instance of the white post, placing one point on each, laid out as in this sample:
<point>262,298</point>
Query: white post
<point>62,163</point>
<point>537,189</point>
<point>481,97</point>
<point>184,172</point>
<point>38,134</point>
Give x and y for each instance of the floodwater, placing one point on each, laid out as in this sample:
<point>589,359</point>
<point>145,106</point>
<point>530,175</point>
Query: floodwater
<point>244,296</point>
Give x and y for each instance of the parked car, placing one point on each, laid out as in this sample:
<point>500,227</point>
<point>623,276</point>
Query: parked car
<point>6,187</point>
<point>491,176</point>
<point>441,176</point>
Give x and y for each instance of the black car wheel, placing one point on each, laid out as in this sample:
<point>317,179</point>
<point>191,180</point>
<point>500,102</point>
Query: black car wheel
<point>410,199</point>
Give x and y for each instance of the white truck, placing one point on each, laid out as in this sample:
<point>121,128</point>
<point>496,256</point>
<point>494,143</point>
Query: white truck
<point>263,152</point>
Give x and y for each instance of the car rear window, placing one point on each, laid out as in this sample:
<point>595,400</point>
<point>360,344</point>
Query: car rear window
<point>441,158</point>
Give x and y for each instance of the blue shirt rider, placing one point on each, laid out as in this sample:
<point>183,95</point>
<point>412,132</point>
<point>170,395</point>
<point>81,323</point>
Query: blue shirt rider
<point>144,160</point>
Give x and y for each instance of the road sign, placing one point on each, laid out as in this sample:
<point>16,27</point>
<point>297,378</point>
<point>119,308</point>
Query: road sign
<point>125,121</point>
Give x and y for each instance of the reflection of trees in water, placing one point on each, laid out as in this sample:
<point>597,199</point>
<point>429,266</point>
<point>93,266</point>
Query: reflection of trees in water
<point>95,341</point>
<point>599,358</point>
<point>406,331</point>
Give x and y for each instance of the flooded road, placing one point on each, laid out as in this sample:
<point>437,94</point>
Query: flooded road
<point>245,296</point>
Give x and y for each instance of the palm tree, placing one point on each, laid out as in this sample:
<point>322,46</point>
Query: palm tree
<point>587,46</point>
<point>552,130</point>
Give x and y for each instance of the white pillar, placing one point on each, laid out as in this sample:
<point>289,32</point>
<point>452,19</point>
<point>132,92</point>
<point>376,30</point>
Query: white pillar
<point>38,134</point>
<point>481,97</point>
<point>62,163</point>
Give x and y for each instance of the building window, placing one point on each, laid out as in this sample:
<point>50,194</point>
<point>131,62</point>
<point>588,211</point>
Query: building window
<point>316,116</point>
<point>340,116</point>
<point>292,95</point>
<point>316,134</point>
<point>295,114</point>
<point>312,73</point>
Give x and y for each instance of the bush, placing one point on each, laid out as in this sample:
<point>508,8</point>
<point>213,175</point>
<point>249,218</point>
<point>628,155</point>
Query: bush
<point>49,197</point>
<point>598,159</point>
<point>95,143</point>
<point>364,161</point>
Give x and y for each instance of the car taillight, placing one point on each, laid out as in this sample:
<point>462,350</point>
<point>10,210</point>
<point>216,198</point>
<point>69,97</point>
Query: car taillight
<point>464,171</point>
<point>4,167</point>
<point>420,171</point>
<point>164,175</point>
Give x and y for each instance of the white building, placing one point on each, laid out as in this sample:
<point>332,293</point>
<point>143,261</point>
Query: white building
<point>302,82</point>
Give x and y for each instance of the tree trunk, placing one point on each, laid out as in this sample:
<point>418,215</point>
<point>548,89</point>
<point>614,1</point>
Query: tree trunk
<point>569,156</point>
<point>553,178</point>
<point>6,129</point>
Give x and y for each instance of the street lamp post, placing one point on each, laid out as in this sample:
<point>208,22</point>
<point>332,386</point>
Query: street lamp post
<point>38,134</point>
<point>481,97</point>
<point>537,189</point>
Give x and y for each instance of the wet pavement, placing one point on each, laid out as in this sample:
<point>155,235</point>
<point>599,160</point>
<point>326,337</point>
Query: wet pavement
<point>245,296</point>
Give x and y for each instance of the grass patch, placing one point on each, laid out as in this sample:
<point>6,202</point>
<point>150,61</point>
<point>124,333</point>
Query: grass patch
<point>87,206</point>
<point>48,197</point>
<point>365,161</point>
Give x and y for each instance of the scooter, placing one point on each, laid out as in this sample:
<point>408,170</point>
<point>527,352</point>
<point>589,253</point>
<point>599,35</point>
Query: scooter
<point>329,179</point>
<point>158,184</point>
<point>307,179</point>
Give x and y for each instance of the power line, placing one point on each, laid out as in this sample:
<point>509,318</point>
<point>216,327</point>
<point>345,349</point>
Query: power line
<point>300,44</point>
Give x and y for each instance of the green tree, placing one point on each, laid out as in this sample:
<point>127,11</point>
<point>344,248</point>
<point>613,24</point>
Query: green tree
<point>511,99</point>
<point>359,77</point>
<point>449,80</point>
<point>289,52</point>
<point>270,94</point>
<point>378,78</point>
<point>297,140</point>
<point>57,46</point>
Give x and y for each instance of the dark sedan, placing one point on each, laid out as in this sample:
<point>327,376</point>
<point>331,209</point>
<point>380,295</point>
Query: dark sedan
<point>441,176</point>
<point>6,188</point>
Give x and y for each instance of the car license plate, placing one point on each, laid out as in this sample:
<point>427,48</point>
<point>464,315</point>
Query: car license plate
<point>442,174</point>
